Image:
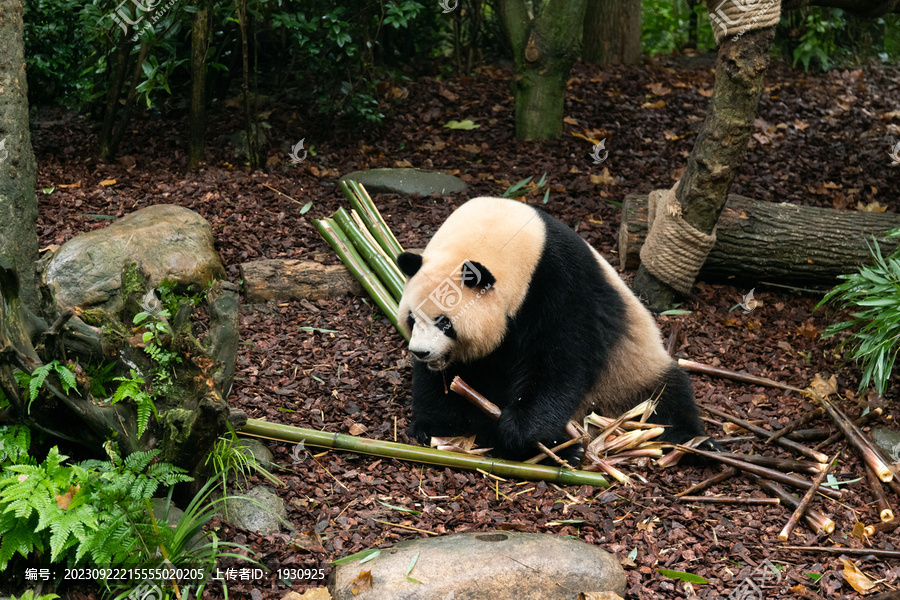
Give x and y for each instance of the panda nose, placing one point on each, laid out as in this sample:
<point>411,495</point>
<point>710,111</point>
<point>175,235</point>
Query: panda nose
<point>421,354</point>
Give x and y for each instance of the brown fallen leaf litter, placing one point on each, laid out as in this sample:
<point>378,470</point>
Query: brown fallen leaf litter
<point>819,139</point>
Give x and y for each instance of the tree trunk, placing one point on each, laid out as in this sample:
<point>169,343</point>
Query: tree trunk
<point>720,147</point>
<point>18,171</point>
<point>197,118</point>
<point>117,80</point>
<point>544,49</point>
<point>282,280</point>
<point>612,32</point>
<point>249,111</point>
<point>765,241</point>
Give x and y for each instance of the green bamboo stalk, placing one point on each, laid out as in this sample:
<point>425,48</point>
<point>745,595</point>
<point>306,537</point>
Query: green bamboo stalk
<point>351,190</point>
<point>368,235</point>
<point>431,456</point>
<point>342,246</point>
<point>376,261</point>
<point>362,202</point>
<point>379,219</point>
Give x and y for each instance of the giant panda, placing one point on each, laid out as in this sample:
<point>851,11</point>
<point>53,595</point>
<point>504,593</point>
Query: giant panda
<point>528,314</point>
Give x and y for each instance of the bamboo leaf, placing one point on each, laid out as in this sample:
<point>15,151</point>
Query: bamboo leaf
<point>688,577</point>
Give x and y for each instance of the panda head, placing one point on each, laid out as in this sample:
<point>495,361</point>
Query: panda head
<point>450,315</point>
<point>470,280</point>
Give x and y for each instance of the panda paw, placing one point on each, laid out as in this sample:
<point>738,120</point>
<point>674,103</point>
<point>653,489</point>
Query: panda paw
<point>420,432</point>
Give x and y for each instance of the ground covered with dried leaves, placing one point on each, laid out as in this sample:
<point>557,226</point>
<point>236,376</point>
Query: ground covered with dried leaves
<point>338,365</point>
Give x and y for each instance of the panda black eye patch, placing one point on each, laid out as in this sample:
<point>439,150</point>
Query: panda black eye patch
<point>446,325</point>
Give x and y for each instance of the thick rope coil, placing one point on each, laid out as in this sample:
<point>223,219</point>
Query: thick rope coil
<point>674,250</point>
<point>737,17</point>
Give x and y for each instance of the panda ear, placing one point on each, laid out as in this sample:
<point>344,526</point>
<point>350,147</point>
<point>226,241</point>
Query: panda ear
<point>476,275</point>
<point>409,263</point>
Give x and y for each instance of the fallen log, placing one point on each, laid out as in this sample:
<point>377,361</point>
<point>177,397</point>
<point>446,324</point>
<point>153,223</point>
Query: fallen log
<point>290,279</point>
<point>767,241</point>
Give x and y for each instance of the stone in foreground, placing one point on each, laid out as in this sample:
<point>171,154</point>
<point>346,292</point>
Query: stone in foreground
<point>171,242</point>
<point>407,181</point>
<point>482,566</point>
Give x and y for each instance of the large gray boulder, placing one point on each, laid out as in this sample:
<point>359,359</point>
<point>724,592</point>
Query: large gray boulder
<point>482,566</point>
<point>407,181</point>
<point>171,242</point>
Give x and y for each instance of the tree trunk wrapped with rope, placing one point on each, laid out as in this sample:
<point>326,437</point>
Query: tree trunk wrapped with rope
<point>684,217</point>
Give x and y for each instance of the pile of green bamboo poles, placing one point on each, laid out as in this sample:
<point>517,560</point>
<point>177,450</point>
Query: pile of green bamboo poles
<point>365,244</point>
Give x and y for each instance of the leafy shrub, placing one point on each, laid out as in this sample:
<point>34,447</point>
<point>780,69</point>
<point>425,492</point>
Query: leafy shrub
<point>665,27</point>
<point>874,293</point>
<point>99,513</point>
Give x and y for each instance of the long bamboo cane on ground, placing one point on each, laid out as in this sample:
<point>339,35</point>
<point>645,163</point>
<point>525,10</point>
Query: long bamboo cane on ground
<point>784,443</point>
<point>695,367</point>
<point>494,466</point>
<point>858,440</point>
<point>785,478</point>
<point>378,263</point>
<point>860,422</point>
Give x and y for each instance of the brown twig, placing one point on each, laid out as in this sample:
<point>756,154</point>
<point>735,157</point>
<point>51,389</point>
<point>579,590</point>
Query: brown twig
<point>884,508</point>
<point>848,551</point>
<point>810,435</point>
<point>784,443</point>
<point>816,520</point>
<point>726,473</point>
<point>782,464</point>
<point>801,420</point>
<point>729,500</point>
<point>792,480</point>
<point>858,440</point>
<point>804,501</point>
<point>860,422</point>
<point>695,367</point>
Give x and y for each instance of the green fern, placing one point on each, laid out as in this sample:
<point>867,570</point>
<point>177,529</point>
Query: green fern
<point>15,441</point>
<point>35,380</point>
<point>131,388</point>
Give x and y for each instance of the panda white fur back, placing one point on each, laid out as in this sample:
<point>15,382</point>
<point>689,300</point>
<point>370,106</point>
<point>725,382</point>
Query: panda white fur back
<point>526,312</point>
